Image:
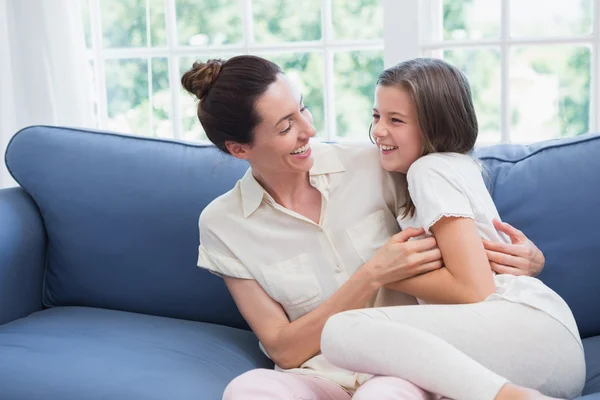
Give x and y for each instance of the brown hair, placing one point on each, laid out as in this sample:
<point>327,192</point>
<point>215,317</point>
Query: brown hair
<point>228,92</point>
<point>444,107</point>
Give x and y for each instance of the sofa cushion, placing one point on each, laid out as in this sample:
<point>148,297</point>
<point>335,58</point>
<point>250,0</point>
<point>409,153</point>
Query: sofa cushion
<point>595,396</point>
<point>76,352</point>
<point>551,191</point>
<point>121,214</point>
<point>592,361</point>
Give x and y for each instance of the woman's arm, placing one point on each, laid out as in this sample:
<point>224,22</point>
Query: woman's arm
<point>467,277</point>
<point>289,344</point>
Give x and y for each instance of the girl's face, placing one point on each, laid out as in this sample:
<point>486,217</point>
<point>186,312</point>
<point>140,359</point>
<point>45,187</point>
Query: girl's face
<point>396,129</point>
<point>281,139</point>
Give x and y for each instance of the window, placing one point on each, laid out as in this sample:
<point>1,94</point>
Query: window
<point>534,65</point>
<point>139,49</point>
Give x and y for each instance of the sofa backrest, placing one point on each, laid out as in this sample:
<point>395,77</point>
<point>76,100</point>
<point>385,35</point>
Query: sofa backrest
<point>121,215</point>
<point>551,192</point>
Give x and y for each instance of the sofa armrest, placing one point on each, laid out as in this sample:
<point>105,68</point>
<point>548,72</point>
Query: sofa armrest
<point>22,255</point>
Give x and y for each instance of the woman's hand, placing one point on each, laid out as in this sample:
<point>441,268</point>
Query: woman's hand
<point>522,257</point>
<point>400,258</point>
<point>290,344</point>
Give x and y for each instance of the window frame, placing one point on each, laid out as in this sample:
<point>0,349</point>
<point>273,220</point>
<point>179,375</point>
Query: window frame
<point>411,28</point>
<point>328,46</point>
<point>428,41</point>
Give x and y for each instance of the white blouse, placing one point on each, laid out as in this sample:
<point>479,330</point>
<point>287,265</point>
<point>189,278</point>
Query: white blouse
<point>245,234</point>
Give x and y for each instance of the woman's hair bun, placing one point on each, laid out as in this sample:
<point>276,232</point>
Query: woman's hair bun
<point>201,77</point>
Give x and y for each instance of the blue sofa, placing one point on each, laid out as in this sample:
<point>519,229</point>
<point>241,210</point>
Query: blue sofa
<point>100,296</point>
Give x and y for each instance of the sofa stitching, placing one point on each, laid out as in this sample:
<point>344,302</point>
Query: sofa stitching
<point>546,147</point>
<point>115,134</point>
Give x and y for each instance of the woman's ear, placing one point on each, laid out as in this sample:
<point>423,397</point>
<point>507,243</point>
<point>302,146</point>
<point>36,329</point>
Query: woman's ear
<point>238,150</point>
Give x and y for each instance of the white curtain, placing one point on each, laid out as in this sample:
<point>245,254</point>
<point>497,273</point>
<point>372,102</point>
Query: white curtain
<point>44,72</point>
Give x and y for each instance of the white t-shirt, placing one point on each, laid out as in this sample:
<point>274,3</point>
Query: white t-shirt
<point>245,234</point>
<point>451,185</point>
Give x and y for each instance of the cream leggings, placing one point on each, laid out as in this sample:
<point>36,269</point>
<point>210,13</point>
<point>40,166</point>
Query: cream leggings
<point>463,352</point>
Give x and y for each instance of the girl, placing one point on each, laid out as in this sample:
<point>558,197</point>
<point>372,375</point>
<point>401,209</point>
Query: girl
<point>493,329</point>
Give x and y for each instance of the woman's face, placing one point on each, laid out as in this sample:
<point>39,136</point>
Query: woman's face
<point>396,129</point>
<point>281,139</point>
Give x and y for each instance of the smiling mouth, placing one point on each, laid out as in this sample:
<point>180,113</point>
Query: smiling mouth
<point>385,147</point>
<point>301,150</point>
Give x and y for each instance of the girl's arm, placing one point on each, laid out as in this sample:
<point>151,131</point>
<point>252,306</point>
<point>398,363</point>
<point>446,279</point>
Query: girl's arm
<point>466,278</point>
<point>438,187</point>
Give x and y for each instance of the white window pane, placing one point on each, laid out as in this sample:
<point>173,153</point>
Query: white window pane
<point>355,74</point>
<point>482,69</point>
<point>357,20</point>
<point>549,92</point>
<point>209,22</point>
<point>162,125</point>
<point>277,21</point>
<point>471,19</point>
<point>127,96</point>
<point>306,71</point>
<point>87,23</point>
<point>123,23</point>
<point>535,18</point>
<point>158,32</point>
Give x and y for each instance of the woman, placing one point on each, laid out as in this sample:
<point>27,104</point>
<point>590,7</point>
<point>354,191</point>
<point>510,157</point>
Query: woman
<point>425,125</point>
<point>308,232</point>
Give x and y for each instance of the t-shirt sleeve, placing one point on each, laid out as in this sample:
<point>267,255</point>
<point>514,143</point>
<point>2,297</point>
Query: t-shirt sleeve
<point>435,188</point>
<point>216,257</point>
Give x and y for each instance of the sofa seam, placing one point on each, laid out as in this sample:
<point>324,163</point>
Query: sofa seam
<point>115,134</point>
<point>541,149</point>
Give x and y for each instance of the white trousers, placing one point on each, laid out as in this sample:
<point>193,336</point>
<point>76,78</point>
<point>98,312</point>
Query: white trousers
<point>464,352</point>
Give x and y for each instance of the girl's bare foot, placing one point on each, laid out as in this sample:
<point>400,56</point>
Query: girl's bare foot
<point>514,392</point>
